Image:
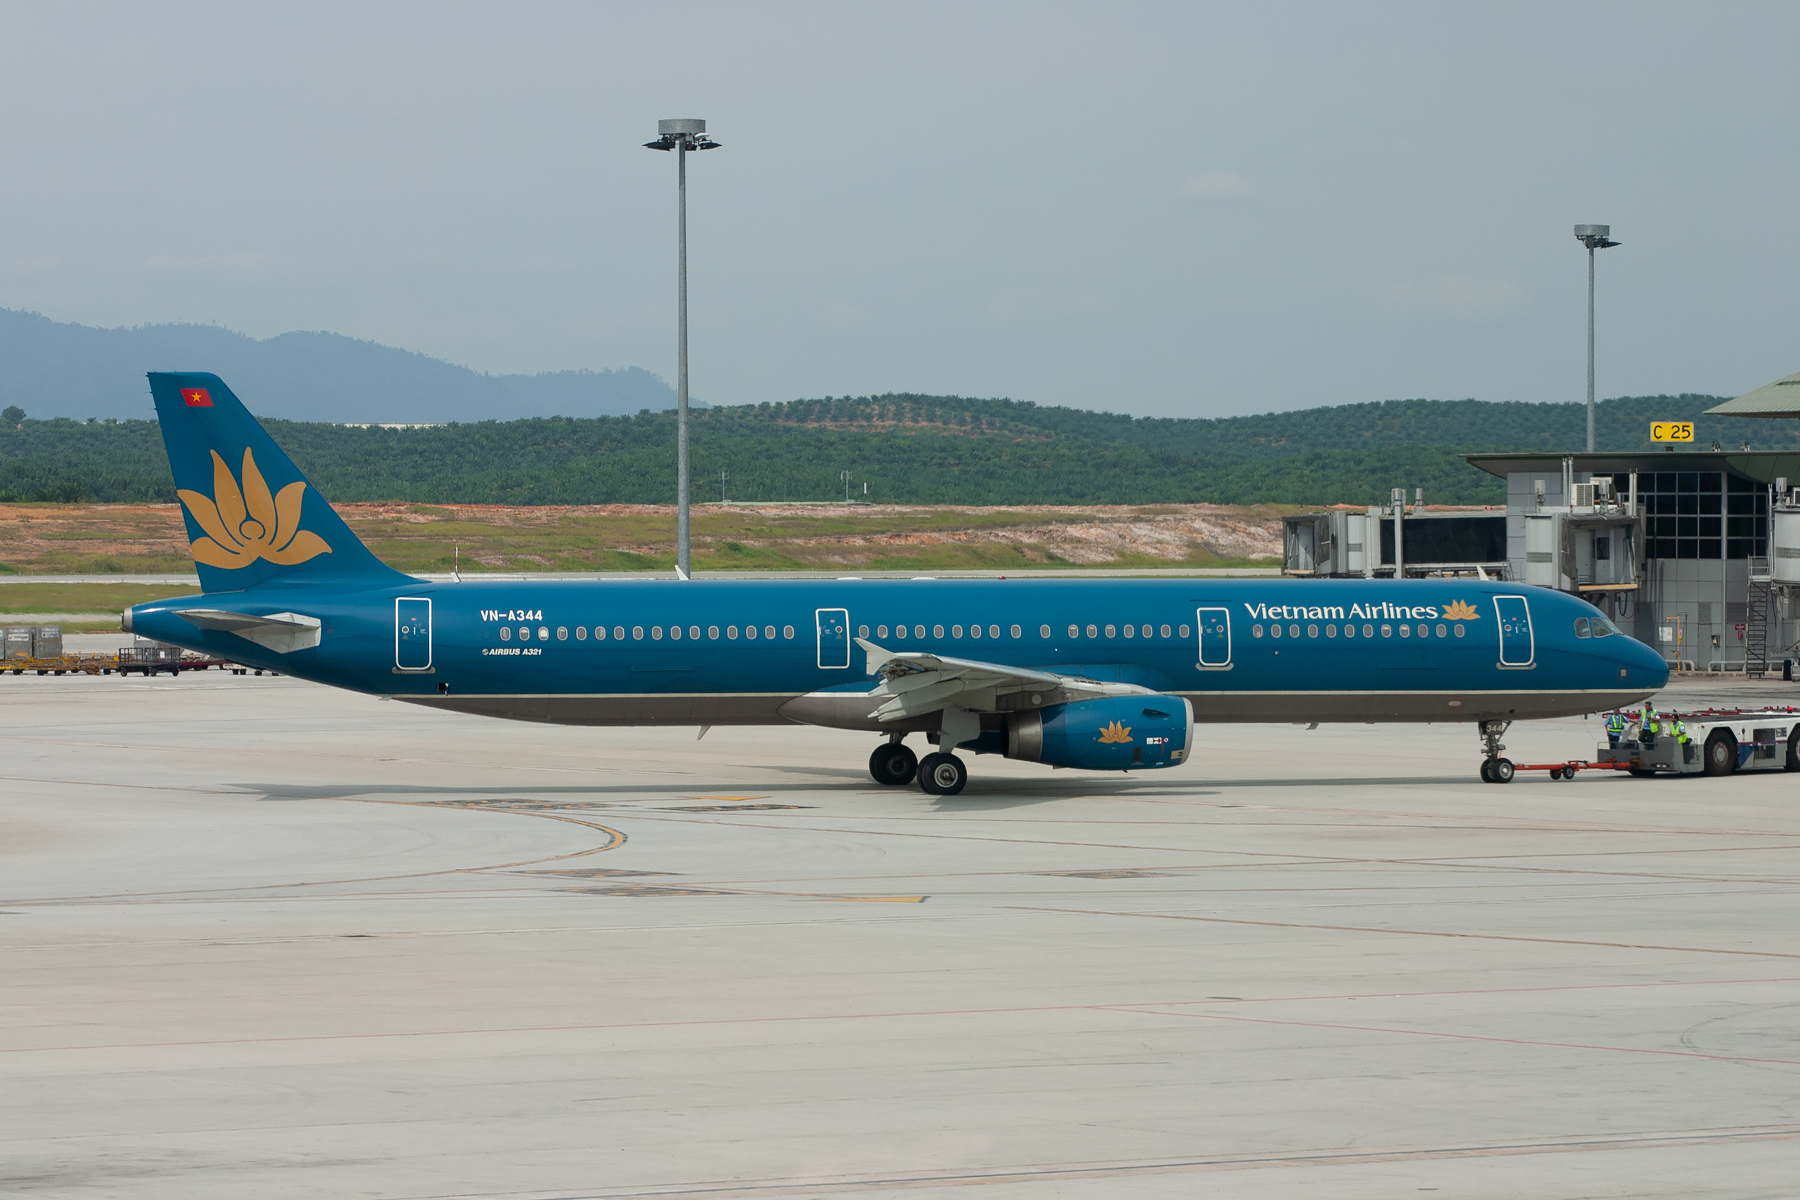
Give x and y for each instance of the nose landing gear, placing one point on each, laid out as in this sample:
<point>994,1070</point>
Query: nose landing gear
<point>1494,769</point>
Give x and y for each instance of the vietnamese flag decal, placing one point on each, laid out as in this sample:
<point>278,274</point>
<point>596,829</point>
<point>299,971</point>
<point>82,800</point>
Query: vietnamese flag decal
<point>197,397</point>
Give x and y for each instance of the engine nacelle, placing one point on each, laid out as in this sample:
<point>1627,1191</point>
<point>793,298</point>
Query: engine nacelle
<point>1116,733</point>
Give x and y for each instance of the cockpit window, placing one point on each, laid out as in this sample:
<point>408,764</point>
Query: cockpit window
<point>1581,628</point>
<point>1604,627</point>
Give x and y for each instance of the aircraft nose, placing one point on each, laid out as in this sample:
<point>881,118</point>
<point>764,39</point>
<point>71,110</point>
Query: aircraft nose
<point>1640,665</point>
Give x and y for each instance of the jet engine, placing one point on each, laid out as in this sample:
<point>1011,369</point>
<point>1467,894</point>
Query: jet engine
<point>1115,733</point>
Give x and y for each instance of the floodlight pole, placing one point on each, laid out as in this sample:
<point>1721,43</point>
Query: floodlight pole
<point>1594,237</point>
<point>681,136</point>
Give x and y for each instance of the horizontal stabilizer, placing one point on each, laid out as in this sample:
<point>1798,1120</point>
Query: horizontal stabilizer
<point>283,633</point>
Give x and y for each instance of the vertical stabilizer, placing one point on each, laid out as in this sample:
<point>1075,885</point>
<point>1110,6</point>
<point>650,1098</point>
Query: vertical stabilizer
<point>252,518</point>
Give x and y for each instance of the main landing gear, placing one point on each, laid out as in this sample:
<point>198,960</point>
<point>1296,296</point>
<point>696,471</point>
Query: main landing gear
<point>894,765</point>
<point>1494,769</point>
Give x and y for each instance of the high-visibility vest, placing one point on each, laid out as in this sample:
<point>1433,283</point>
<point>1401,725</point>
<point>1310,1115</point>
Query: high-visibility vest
<point>1615,723</point>
<point>1680,731</point>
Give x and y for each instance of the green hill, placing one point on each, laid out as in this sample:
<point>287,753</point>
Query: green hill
<point>908,449</point>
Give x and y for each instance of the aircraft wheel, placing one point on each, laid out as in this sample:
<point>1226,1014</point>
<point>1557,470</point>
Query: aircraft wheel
<point>893,764</point>
<point>1721,753</point>
<point>942,774</point>
<point>1487,770</point>
<point>1502,770</point>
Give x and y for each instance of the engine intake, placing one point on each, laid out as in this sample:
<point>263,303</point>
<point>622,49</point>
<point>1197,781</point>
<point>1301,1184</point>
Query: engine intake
<point>1115,733</point>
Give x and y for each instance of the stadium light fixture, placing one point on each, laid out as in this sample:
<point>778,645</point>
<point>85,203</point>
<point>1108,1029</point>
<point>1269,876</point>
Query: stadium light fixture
<point>1594,237</point>
<point>682,135</point>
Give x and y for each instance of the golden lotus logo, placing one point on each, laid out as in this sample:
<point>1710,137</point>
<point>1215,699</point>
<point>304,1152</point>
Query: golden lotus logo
<point>245,524</point>
<point>1110,734</point>
<point>1461,610</point>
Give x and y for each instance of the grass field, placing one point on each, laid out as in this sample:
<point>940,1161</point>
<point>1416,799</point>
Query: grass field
<point>149,539</point>
<point>83,539</point>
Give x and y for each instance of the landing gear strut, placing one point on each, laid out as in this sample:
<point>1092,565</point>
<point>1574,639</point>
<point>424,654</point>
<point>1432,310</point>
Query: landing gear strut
<point>1494,769</point>
<point>893,764</point>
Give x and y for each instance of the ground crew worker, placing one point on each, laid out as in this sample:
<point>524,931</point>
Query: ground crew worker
<point>1651,726</point>
<point>1615,727</point>
<point>1679,728</point>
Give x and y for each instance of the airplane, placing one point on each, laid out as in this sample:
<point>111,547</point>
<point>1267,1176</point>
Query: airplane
<point>1101,675</point>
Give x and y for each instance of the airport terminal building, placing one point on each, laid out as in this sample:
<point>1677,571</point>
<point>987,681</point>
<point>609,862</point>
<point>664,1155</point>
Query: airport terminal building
<point>1694,552</point>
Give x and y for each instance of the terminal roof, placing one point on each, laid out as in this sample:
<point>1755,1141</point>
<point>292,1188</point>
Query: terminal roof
<point>1762,465</point>
<point>1778,399</point>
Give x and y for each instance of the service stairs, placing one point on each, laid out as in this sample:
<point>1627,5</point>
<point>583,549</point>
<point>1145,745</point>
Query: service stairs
<point>1756,619</point>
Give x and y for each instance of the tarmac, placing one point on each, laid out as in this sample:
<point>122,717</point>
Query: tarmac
<point>261,938</point>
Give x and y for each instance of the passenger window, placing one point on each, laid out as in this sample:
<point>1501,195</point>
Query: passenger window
<point>994,631</point>
<point>562,633</point>
<point>543,633</point>
<point>1331,631</point>
<point>1312,631</point>
<point>694,633</point>
<point>674,633</point>
<point>506,633</point>
<point>1293,631</point>
<point>656,633</point>
<point>1148,631</point>
<point>1184,631</point>
<point>1368,631</point>
<point>1165,631</point>
<point>937,631</point>
<point>919,631</point>
<point>1459,630</point>
<point>1131,631</point>
<point>1405,630</point>
<point>974,631</point>
<point>1093,631</point>
<point>637,633</point>
<point>1424,631</point>
<point>712,633</point>
<point>1043,630</point>
<point>1386,630</point>
<point>1581,628</point>
<point>900,632</point>
<point>750,633</point>
<point>1349,631</point>
<point>524,633</point>
<point>1074,631</point>
<point>862,631</point>
<point>881,631</point>
<point>1112,631</point>
<point>731,633</point>
<point>1443,631</point>
<point>955,631</point>
<point>619,633</point>
<point>581,633</point>
<point>1256,631</point>
<point>787,631</point>
<point>1274,631</point>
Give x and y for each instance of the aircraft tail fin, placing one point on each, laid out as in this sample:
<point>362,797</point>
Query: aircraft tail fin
<point>252,518</point>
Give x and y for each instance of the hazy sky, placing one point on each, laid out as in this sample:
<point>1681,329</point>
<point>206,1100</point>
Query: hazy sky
<point>1175,209</point>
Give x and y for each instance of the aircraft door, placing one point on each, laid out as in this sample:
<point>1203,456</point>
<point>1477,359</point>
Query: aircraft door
<point>1517,646</point>
<point>834,638</point>
<point>412,634</point>
<point>1215,638</point>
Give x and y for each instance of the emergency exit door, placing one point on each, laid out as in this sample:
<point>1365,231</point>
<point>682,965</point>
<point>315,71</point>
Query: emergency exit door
<point>1215,638</point>
<point>1517,645</point>
<point>834,637</point>
<point>412,634</point>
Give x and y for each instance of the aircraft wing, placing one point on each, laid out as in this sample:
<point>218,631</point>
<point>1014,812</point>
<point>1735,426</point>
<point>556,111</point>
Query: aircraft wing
<point>916,682</point>
<point>281,632</point>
